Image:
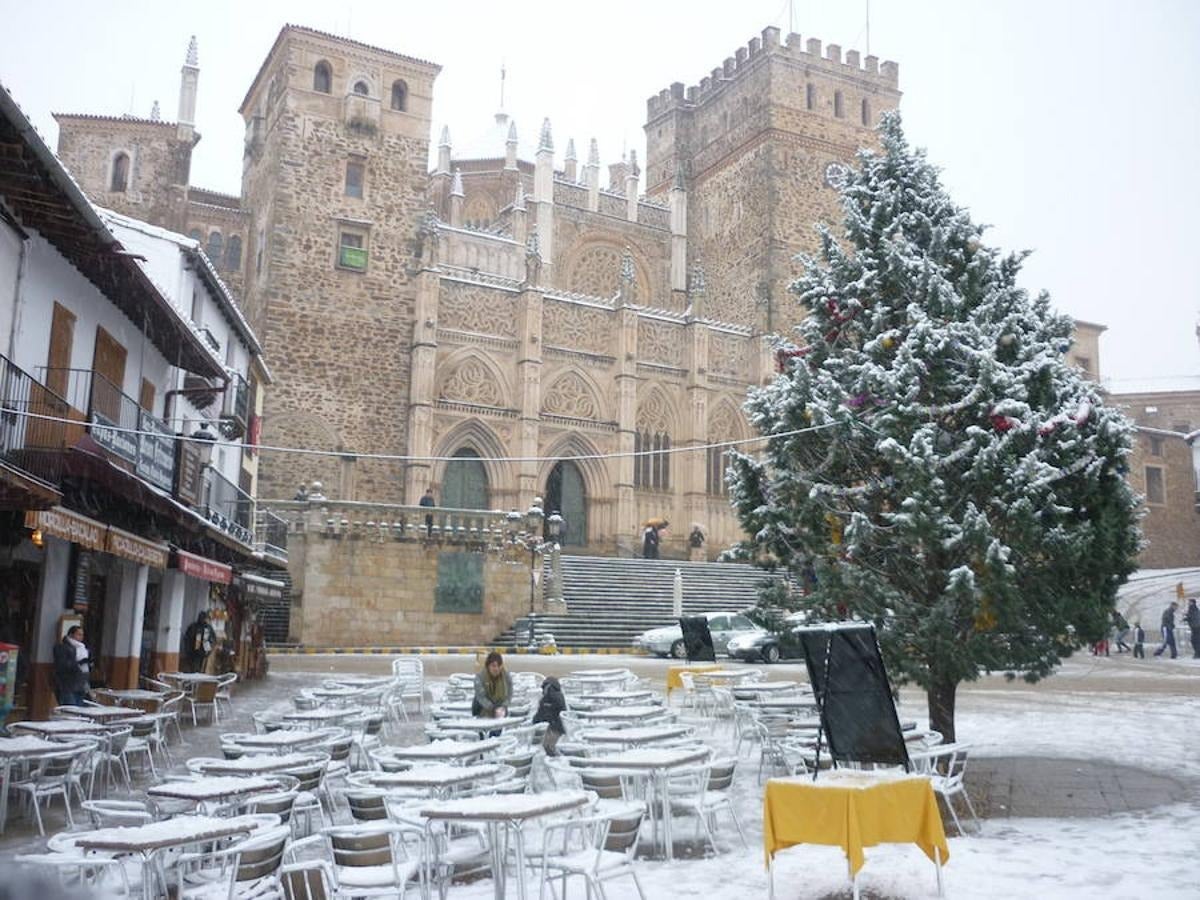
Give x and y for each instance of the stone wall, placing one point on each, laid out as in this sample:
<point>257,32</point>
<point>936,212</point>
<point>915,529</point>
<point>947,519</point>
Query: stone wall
<point>160,161</point>
<point>361,578</point>
<point>1171,525</point>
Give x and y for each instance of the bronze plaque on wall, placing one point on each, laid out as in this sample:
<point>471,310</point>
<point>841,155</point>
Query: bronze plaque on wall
<point>459,583</point>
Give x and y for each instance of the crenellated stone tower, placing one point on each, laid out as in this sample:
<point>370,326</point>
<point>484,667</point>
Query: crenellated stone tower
<point>757,146</point>
<point>337,138</point>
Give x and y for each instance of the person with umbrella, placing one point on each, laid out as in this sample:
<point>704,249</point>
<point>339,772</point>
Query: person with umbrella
<point>651,537</point>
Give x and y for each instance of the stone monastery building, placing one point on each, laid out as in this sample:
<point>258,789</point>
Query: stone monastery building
<point>509,304</point>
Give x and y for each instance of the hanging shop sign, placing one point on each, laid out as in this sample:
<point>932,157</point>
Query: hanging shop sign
<point>189,471</point>
<point>135,549</point>
<point>156,452</point>
<point>204,569</point>
<point>69,526</point>
<point>260,588</point>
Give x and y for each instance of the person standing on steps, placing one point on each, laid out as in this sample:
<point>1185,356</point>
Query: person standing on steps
<point>1192,617</point>
<point>651,538</point>
<point>1168,630</point>
<point>429,502</point>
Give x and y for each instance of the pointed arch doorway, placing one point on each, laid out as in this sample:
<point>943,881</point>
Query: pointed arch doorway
<point>465,484</point>
<point>566,494</point>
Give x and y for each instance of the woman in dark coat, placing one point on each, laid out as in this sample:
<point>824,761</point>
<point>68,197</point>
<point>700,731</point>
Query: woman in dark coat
<point>550,709</point>
<point>71,664</point>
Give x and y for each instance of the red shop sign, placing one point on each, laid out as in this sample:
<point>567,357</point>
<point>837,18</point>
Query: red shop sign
<point>199,567</point>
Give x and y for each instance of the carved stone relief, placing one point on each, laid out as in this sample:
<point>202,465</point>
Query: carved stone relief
<point>727,355</point>
<point>577,327</point>
<point>465,307</point>
<point>571,396</point>
<point>724,423</point>
<point>660,342</point>
<point>472,382</point>
<point>653,415</point>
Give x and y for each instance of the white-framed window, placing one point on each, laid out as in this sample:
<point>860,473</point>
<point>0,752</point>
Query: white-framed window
<point>352,248</point>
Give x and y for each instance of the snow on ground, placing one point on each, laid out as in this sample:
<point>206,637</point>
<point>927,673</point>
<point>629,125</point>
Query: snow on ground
<point>1095,709</point>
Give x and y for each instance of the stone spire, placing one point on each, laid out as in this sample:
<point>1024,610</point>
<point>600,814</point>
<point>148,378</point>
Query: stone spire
<point>546,139</point>
<point>444,152</point>
<point>570,163</point>
<point>594,154</point>
<point>456,200</point>
<point>155,113</point>
<point>189,77</point>
<point>510,146</point>
<point>519,202</point>
<point>591,176</point>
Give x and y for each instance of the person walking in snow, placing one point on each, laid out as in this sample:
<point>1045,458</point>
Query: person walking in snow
<point>1139,641</point>
<point>1121,626</point>
<point>1192,617</point>
<point>1168,630</point>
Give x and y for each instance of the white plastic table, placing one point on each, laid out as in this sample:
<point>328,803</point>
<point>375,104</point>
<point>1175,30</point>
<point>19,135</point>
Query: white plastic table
<point>319,717</point>
<point>505,813</point>
<point>258,764</point>
<point>656,763</point>
<point>636,737</point>
<point>98,713</point>
<point>25,748</point>
<point>284,740</point>
<point>622,713</point>
<point>480,724</point>
<point>60,726</point>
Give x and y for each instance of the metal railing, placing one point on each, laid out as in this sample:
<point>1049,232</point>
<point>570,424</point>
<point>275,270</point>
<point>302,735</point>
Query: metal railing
<point>114,418</point>
<point>228,507</point>
<point>32,445</point>
<point>271,534</point>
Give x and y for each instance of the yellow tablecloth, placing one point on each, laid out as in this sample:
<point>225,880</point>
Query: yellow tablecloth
<point>673,673</point>
<point>852,810</point>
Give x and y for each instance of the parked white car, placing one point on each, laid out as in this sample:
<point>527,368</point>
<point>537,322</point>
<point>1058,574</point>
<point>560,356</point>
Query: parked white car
<point>668,640</point>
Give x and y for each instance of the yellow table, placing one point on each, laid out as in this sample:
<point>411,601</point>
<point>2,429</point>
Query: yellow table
<point>853,810</point>
<point>673,673</point>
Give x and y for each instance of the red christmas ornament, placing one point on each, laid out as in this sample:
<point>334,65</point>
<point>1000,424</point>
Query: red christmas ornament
<point>1003,423</point>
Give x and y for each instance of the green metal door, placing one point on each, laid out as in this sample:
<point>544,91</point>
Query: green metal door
<point>565,494</point>
<point>465,485</point>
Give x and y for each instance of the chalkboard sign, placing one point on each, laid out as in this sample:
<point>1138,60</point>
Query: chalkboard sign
<point>81,586</point>
<point>459,583</point>
<point>189,471</point>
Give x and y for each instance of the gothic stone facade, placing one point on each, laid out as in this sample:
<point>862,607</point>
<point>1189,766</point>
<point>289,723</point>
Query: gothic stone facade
<point>508,306</point>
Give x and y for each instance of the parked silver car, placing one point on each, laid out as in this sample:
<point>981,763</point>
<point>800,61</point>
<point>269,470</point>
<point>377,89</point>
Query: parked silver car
<point>668,640</point>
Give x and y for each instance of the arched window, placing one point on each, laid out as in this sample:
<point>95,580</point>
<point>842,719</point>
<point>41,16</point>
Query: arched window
<point>717,460</point>
<point>810,96</point>
<point>399,95</point>
<point>839,105</point>
<point>323,78</point>
<point>360,88</point>
<point>866,111</point>
<point>216,246</point>
<point>652,469</point>
<point>233,254</point>
<point>120,173</point>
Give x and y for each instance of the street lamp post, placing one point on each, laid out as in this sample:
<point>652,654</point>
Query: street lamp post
<point>533,526</point>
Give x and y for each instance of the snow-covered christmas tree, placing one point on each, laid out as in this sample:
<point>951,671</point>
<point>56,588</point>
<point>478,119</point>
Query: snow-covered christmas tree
<point>935,466</point>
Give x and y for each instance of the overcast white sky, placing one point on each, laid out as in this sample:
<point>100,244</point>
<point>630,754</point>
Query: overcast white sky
<point>1071,126</point>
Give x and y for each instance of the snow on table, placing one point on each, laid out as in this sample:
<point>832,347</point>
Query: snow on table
<point>319,715</point>
<point>28,745</point>
<point>211,788</point>
<point>442,749</point>
<point>769,687</point>
<point>63,726</point>
<point>599,673</point>
<point>282,738</point>
<point>432,776</point>
<point>644,735</point>
<point>851,778</point>
<point>175,832</point>
<point>480,724</point>
<point>98,713</point>
<point>622,713</point>
<point>256,764</point>
<point>649,758</point>
<point>506,807</point>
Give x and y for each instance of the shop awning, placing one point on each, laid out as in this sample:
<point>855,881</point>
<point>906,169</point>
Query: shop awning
<point>136,549</point>
<point>257,586</point>
<point>202,568</point>
<point>69,526</point>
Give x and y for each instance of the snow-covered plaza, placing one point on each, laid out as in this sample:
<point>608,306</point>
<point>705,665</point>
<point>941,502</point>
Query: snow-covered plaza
<point>1088,784</point>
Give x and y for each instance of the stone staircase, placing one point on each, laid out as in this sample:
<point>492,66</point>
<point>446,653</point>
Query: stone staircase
<point>611,601</point>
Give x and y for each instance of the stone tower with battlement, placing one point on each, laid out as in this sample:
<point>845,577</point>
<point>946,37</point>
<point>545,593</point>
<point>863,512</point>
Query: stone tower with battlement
<point>757,145</point>
<point>334,168</point>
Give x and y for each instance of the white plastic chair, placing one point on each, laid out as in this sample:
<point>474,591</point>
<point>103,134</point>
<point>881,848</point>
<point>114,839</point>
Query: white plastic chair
<point>947,779</point>
<point>704,792</point>
<point>248,869</point>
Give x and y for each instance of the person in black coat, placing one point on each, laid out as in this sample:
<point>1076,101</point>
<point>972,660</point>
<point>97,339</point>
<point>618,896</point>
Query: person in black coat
<point>1168,630</point>
<point>550,709</point>
<point>1192,617</point>
<point>71,665</point>
<point>429,503</point>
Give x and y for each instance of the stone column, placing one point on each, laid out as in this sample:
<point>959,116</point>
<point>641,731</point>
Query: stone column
<point>127,647</point>
<point>529,386</point>
<point>591,177</point>
<point>677,202</point>
<point>422,386</point>
<point>694,463</point>
<point>631,188</point>
<point>626,378</point>
<point>170,622</point>
<point>51,601</point>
